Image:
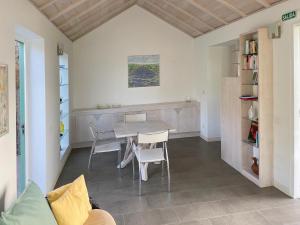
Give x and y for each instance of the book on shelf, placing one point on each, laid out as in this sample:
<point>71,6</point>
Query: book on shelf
<point>250,62</point>
<point>255,78</point>
<point>250,47</point>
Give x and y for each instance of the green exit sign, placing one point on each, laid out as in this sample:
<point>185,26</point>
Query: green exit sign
<point>289,15</point>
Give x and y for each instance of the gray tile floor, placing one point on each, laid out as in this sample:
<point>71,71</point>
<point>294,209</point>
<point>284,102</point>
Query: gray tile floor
<point>205,190</point>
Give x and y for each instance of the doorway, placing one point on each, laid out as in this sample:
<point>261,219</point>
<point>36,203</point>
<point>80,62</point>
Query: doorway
<point>20,115</point>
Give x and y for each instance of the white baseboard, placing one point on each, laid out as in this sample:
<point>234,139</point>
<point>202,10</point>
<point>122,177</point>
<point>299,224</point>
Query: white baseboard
<point>283,189</point>
<point>210,139</point>
<point>184,135</point>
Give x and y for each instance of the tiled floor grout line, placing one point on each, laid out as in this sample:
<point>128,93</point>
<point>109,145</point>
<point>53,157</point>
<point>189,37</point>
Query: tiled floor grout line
<point>262,215</point>
<point>212,217</point>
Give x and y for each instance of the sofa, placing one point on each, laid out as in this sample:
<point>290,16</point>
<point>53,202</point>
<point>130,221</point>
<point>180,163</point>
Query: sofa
<point>32,208</point>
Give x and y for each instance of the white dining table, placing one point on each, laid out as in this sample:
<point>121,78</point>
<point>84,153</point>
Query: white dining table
<point>130,130</point>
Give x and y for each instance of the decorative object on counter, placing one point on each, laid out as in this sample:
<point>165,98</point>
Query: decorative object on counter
<point>108,106</point>
<point>143,71</point>
<point>116,106</point>
<point>252,136</point>
<point>4,123</point>
<point>188,99</point>
<point>104,106</point>
<point>255,166</point>
<point>252,114</point>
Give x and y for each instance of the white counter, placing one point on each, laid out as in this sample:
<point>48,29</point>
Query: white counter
<point>184,116</point>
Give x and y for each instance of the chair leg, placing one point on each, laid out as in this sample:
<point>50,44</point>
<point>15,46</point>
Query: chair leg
<point>133,169</point>
<point>119,160</point>
<point>162,168</point>
<point>140,179</point>
<point>169,178</point>
<point>90,161</point>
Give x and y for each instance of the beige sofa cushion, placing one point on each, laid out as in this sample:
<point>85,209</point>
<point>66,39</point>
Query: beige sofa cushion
<point>99,217</point>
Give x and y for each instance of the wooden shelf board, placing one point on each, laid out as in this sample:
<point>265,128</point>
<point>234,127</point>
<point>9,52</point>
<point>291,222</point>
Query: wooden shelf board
<point>249,84</point>
<point>250,69</point>
<point>246,118</point>
<point>249,143</point>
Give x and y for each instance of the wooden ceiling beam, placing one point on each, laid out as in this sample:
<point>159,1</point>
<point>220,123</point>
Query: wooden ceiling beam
<point>190,15</point>
<point>264,3</point>
<point>232,7</point>
<point>87,20</point>
<point>96,23</point>
<point>177,21</point>
<point>84,12</point>
<point>207,11</point>
<point>47,4</point>
<point>66,10</point>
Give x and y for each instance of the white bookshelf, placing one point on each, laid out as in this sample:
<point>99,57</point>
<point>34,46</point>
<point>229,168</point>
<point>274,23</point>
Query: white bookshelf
<point>263,150</point>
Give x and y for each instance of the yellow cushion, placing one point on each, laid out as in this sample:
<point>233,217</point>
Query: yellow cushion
<point>99,217</point>
<point>54,195</point>
<point>72,206</point>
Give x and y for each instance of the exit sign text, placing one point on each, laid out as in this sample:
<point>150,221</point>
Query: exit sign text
<point>289,15</point>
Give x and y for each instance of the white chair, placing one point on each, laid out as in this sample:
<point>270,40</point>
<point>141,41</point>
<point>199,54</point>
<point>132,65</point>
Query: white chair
<point>152,154</point>
<point>138,117</point>
<point>102,146</point>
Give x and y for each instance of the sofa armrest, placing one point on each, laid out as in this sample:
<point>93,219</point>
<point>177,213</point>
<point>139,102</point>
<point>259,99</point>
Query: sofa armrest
<point>94,204</point>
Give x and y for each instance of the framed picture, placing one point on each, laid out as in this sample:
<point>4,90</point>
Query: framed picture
<point>143,71</point>
<point>4,123</point>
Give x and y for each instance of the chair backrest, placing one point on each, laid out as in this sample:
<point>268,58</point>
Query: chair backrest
<point>152,138</point>
<point>138,117</point>
<point>94,131</point>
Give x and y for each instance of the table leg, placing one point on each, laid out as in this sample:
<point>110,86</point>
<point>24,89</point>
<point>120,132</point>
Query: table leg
<point>128,155</point>
<point>144,171</point>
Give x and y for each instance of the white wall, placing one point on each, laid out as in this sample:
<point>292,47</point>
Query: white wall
<point>283,85</point>
<point>100,61</point>
<point>21,13</point>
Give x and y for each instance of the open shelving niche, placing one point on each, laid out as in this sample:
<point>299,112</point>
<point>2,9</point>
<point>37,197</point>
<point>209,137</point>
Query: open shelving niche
<point>263,150</point>
<point>64,104</point>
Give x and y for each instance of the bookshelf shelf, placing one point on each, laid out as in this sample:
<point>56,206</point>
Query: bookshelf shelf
<point>249,143</point>
<point>257,82</point>
<point>246,118</point>
<point>249,54</point>
<point>251,176</point>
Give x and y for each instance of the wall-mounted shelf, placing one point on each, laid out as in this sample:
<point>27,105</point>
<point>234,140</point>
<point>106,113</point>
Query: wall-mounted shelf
<point>64,104</point>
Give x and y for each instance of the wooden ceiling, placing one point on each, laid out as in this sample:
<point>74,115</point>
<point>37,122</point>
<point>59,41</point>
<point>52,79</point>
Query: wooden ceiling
<point>76,18</point>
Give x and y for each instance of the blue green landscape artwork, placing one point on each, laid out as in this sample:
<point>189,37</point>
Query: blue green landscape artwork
<point>143,71</point>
